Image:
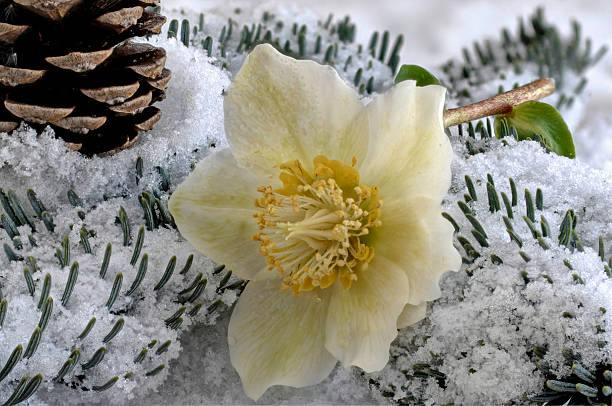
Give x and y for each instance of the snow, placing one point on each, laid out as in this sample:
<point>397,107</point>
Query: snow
<point>488,311</point>
<point>495,304</point>
<point>196,104</point>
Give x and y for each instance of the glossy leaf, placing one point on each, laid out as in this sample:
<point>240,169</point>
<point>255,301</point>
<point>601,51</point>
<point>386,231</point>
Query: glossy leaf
<point>415,72</point>
<point>540,122</point>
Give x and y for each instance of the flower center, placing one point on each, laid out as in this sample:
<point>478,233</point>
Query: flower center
<point>312,230</point>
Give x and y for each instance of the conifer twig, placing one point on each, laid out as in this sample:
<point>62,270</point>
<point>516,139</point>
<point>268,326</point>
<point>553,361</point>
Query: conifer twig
<point>501,104</point>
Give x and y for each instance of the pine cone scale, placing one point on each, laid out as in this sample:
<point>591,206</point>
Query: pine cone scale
<point>10,33</point>
<point>15,76</point>
<point>80,61</point>
<point>144,59</point>
<point>112,94</point>
<point>52,9</point>
<point>134,105</point>
<point>150,117</point>
<point>127,144</point>
<point>6,126</point>
<point>150,68</point>
<point>37,114</point>
<point>121,20</point>
<point>150,23</point>
<point>81,125</point>
<point>71,64</point>
<point>161,81</point>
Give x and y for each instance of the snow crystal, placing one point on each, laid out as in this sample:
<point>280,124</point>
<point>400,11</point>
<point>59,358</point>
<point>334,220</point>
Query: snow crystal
<point>190,126</point>
<point>144,312</point>
<point>480,334</point>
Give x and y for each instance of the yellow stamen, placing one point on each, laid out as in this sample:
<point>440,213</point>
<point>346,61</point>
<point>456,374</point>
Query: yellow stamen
<point>311,229</point>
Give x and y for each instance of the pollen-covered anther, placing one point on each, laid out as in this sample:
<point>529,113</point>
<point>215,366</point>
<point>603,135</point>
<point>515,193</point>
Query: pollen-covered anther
<point>312,230</point>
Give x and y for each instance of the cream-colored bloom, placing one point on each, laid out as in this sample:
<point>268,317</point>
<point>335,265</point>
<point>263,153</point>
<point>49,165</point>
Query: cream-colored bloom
<point>330,208</point>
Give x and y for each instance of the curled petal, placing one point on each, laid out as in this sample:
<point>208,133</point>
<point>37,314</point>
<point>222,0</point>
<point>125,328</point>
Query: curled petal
<point>276,338</point>
<point>416,238</point>
<point>279,109</point>
<point>409,153</point>
<point>362,321</point>
<point>213,209</point>
<point>411,314</point>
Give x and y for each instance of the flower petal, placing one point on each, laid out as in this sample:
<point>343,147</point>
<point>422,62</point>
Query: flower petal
<point>411,314</point>
<point>276,338</point>
<point>362,321</point>
<point>409,153</point>
<point>280,109</point>
<point>416,238</point>
<point>213,209</point>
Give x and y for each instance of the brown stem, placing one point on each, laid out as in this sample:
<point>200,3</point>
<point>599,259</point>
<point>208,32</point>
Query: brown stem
<point>500,104</point>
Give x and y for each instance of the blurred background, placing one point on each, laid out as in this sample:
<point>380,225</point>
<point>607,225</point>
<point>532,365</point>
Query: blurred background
<point>436,30</point>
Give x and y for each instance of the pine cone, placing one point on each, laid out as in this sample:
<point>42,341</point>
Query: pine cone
<point>69,64</point>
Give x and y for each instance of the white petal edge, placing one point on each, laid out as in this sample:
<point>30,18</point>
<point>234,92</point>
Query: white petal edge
<point>362,321</point>
<point>280,109</point>
<point>276,338</point>
<point>411,314</point>
<point>416,238</point>
<point>409,153</point>
<point>213,209</point>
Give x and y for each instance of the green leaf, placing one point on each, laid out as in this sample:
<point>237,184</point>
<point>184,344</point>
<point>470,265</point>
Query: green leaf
<point>415,72</point>
<point>541,122</point>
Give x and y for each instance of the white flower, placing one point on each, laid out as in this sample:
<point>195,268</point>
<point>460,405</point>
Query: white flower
<point>333,271</point>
